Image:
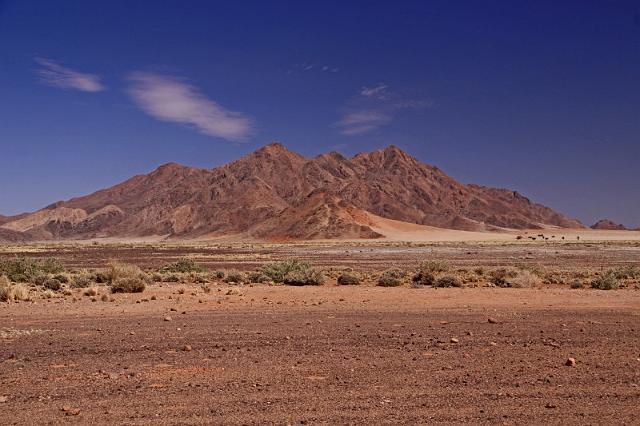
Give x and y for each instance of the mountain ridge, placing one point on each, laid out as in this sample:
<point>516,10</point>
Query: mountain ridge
<point>274,193</point>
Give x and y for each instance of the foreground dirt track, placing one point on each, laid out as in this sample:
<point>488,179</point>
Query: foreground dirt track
<point>324,355</point>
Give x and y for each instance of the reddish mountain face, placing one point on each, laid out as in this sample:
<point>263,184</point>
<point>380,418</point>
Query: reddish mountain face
<point>609,225</point>
<point>275,193</point>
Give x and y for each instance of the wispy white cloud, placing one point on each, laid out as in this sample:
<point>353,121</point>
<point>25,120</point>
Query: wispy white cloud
<point>359,122</point>
<point>56,75</point>
<point>308,66</point>
<point>171,99</point>
<point>374,107</point>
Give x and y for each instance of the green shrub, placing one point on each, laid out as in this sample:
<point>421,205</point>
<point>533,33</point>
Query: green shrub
<point>258,277</point>
<point>627,272</point>
<point>308,276</point>
<point>234,277</point>
<point>128,285</point>
<point>576,284</point>
<point>277,271</point>
<point>392,278</point>
<point>448,281</point>
<point>52,284</point>
<point>348,279</point>
<point>183,265</point>
<point>422,278</point>
<point>82,281</point>
<point>62,278</point>
<point>606,281</point>
<point>434,266</point>
<point>502,277</point>
<point>25,269</point>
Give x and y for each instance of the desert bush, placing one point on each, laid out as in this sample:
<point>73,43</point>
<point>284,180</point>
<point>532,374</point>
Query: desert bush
<point>52,284</point>
<point>308,276</point>
<point>171,278</point>
<point>100,278</point>
<point>422,278</point>
<point>117,271</point>
<point>627,272</point>
<point>606,281</point>
<point>9,291</point>
<point>434,266</point>
<point>448,281</point>
<point>62,278</point>
<point>392,278</point>
<point>25,269</point>
<point>183,265</point>
<point>576,284</point>
<point>128,285</point>
<point>258,277</point>
<point>234,277</point>
<point>502,277</point>
<point>5,289</point>
<point>219,274</point>
<point>293,272</point>
<point>524,279</point>
<point>278,270</point>
<point>348,279</point>
<point>82,281</point>
<point>156,277</point>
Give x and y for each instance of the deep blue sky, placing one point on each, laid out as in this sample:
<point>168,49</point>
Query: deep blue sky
<point>541,97</point>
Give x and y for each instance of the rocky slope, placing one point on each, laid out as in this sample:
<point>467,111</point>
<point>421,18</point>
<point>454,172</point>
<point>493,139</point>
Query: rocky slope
<point>274,193</point>
<point>609,225</point>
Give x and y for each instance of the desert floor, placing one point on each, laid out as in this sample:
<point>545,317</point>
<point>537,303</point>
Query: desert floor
<point>260,354</point>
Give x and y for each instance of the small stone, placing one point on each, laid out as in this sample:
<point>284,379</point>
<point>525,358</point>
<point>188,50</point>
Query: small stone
<point>131,333</point>
<point>492,320</point>
<point>167,318</point>
<point>571,362</point>
<point>173,309</point>
<point>454,340</point>
<point>493,344</point>
<point>187,348</point>
<point>3,399</point>
<point>550,405</point>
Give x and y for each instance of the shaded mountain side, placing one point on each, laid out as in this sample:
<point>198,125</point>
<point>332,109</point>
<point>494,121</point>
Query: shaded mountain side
<point>274,192</point>
<point>609,225</point>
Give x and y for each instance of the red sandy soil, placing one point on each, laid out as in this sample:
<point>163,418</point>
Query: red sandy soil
<point>323,355</point>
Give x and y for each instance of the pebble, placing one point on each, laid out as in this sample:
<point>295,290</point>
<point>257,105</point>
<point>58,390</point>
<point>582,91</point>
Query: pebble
<point>3,399</point>
<point>492,321</point>
<point>571,362</point>
<point>187,348</point>
<point>454,340</point>
<point>167,318</point>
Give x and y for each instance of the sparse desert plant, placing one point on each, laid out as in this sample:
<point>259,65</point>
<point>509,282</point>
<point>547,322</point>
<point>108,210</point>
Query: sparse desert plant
<point>348,279</point>
<point>219,274</point>
<point>448,281</point>
<point>434,266</point>
<point>307,276</point>
<point>25,269</point>
<point>606,281</point>
<point>101,278</point>
<point>20,292</point>
<point>118,270</point>
<point>128,285</point>
<point>524,279</point>
<point>278,271</point>
<point>62,278</point>
<point>422,278</point>
<point>258,278</point>
<point>628,272</point>
<point>576,284</point>
<point>183,265</point>
<point>82,281</point>
<point>52,284</point>
<point>234,277</point>
<point>156,277</point>
<point>502,277</point>
<point>5,289</point>
<point>171,278</point>
<point>391,278</point>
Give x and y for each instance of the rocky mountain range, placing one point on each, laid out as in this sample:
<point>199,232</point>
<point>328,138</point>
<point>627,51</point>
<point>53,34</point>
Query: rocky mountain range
<point>276,194</point>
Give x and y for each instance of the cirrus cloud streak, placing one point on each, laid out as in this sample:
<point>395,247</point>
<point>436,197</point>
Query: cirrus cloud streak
<point>53,74</point>
<point>168,98</point>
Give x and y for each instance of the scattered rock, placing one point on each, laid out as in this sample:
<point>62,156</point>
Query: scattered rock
<point>492,320</point>
<point>70,411</point>
<point>3,399</point>
<point>187,348</point>
<point>550,405</point>
<point>167,318</point>
<point>571,362</point>
<point>454,340</point>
